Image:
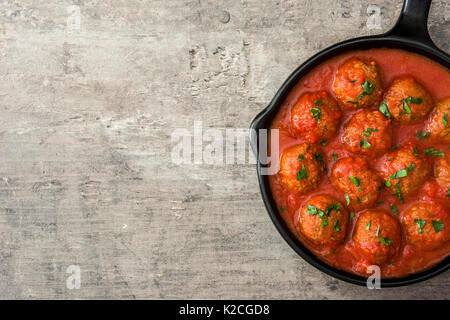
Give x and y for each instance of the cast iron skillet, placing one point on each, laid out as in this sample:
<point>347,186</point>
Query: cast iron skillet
<point>411,34</point>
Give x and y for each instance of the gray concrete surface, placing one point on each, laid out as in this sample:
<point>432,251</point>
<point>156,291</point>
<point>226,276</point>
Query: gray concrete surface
<point>88,106</point>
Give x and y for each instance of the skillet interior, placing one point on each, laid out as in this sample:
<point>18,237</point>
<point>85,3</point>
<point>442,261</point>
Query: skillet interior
<point>264,119</point>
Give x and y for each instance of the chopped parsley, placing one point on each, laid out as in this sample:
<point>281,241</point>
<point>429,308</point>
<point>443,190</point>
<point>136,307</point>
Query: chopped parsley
<point>399,174</point>
<point>421,224</point>
<point>318,103</point>
<point>283,208</point>
<point>385,110</point>
<point>422,135</point>
<point>403,173</point>
<point>368,225</point>
<point>354,102</point>
<point>316,112</point>
<point>414,100</point>
<point>324,223</point>
<point>394,209</point>
<point>367,89</point>
<point>444,120</point>
<point>437,225</point>
<point>356,182</point>
<point>352,81</point>
<point>337,226</point>
<point>377,234</point>
<point>434,152</point>
<point>301,157</point>
<point>388,183</point>
<point>406,108</point>
<point>398,192</point>
<point>365,144</point>
<point>312,210</point>
<point>369,131</point>
<point>347,199</point>
<point>352,214</point>
<point>335,156</point>
<point>386,241</point>
<point>302,174</point>
<point>448,192</point>
<point>416,153</point>
<point>323,142</point>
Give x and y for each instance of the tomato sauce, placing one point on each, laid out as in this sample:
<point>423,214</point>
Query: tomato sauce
<point>392,63</point>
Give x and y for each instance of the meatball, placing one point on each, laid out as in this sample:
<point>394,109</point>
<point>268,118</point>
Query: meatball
<point>301,168</point>
<point>323,221</point>
<point>357,181</point>
<point>442,173</point>
<point>315,116</point>
<point>404,171</point>
<point>427,225</point>
<point>358,83</point>
<point>368,132</point>
<point>439,124</point>
<point>377,236</point>
<point>407,101</point>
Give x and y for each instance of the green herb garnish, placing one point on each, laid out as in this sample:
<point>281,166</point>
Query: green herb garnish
<point>283,208</point>
<point>385,110</point>
<point>302,174</point>
<point>421,224</point>
<point>422,135</point>
<point>398,192</point>
<point>386,241</point>
<point>399,174</point>
<point>352,214</point>
<point>368,225</point>
<point>323,142</point>
<point>434,152</point>
<point>406,108</point>
<point>316,113</point>
<point>378,231</point>
<point>394,209</point>
<point>365,144</point>
<point>369,131</point>
<point>337,226</point>
<point>318,103</point>
<point>437,225</point>
<point>335,157</point>
<point>414,100</point>
<point>444,120</point>
<point>347,199</point>
<point>356,182</point>
<point>367,89</point>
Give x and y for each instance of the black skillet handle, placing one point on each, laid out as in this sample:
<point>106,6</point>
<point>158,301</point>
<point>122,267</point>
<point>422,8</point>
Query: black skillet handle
<point>412,23</point>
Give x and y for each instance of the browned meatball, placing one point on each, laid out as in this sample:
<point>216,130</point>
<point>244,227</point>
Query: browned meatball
<point>357,181</point>
<point>377,236</point>
<point>439,124</point>
<point>407,101</point>
<point>442,173</point>
<point>315,116</point>
<point>368,132</point>
<point>301,168</point>
<point>404,171</point>
<point>323,221</point>
<point>427,225</point>
<point>358,83</point>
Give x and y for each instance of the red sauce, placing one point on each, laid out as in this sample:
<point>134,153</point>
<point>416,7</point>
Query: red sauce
<point>392,63</point>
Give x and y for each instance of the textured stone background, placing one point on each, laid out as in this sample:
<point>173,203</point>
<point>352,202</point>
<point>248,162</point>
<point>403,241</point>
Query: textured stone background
<point>86,176</point>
